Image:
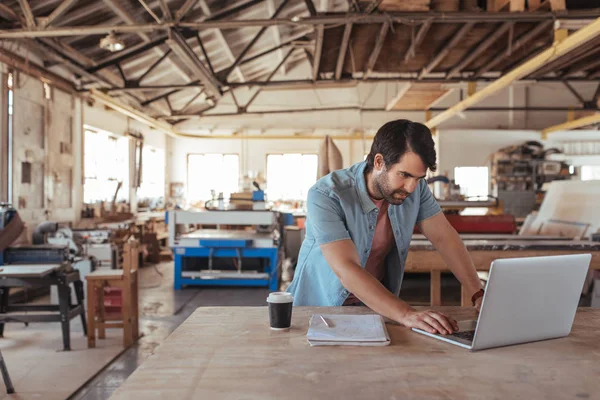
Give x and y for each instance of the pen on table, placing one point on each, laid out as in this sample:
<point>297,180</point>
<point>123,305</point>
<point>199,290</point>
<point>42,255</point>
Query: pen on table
<point>326,324</point>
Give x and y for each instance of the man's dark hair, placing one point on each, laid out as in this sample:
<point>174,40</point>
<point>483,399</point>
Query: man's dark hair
<point>401,136</point>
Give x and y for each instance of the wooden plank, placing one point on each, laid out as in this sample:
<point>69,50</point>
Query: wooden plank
<point>230,352</point>
<point>418,96</point>
<point>436,288</point>
<point>343,50</point>
<point>578,123</point>
<point>27,13</point>
<point>377,49</point>
<point>456,38</point>
<point>480,49</point>
<point>404,5</point>
<point>418,40</point>
<point>318,51</point>
<point>423,261</point>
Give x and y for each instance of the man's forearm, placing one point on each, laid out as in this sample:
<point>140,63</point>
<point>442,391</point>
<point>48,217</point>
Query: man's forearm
<point>371,292</point>
<point>457,258</point>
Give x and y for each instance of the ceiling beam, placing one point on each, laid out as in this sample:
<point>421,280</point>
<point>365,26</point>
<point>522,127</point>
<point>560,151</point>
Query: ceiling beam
<point>558,49</point>
<point>276,32</point>
<point>439,57</point>
<point>311,7</point>
<point>149,11</point>
<point>80,13</point>
<point>166,12</point>
<point>184,9</point>
<point>318,52</point>
<point>271,75</point>
<point>122,13</point>
<point>362,110</point>
<point>185,53</point>
<point>418,40</point>
<point>58,11</point>
<point>343,50</point>
<point>153,66</point>
<point>127,54</point>
<point>27,13</point>
<point>577,123</point>
<point>390,105</point>
<point>133,113</point>
<point>7,13</point>
<point>585,66</point>
<point>512,47</point>
<point>480,48</point>
<point>574,92</point>
<point>436,17</point>
<point>377,49</point>
<point>14,61</point>
<point>294,84</point>
<point>221,37</point>
<point>255,39</point>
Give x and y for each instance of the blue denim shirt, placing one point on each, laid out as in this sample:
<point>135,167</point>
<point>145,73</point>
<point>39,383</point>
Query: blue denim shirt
<point>338,208</point>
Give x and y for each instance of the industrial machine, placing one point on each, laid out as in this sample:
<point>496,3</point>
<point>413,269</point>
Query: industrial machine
<point>38,265</point>
<point>226,257</point>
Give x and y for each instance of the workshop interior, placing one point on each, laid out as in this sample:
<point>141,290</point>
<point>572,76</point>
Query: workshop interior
<point>156,158</point>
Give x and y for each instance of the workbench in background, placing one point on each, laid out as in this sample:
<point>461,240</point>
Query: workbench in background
<point>230,353</point>
<point>424,258</point>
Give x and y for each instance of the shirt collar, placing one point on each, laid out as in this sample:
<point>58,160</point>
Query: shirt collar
<point>365,201</point>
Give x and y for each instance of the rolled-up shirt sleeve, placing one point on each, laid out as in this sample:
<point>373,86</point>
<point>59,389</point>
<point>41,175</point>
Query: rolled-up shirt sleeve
<point>428,206</point>
<point>325,217</point>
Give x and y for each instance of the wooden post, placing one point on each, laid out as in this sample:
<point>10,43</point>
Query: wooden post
<point>101,314</point>
<point>91,319</point>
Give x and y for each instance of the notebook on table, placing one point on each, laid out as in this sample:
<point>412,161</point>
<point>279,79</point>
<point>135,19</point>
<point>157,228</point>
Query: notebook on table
<point>347,330</point>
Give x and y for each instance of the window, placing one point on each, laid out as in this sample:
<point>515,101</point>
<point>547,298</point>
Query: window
<point>590,172</point>
<point>153,173</point>
<point>207,172</point>
<point>106,163</point>
<point>473,181</point>
<point>289,176</point>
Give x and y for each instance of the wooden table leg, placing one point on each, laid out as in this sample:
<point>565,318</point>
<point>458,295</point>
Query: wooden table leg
<point>101,314</point>
<point>91,319</point>
<point>126,312</point>
<point>436,288</point>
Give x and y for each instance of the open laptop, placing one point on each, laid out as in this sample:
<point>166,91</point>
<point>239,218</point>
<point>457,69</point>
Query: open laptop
<point>526,300</point>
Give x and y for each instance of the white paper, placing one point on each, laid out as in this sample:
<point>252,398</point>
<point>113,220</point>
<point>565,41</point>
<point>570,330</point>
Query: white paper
<point>350,329</point>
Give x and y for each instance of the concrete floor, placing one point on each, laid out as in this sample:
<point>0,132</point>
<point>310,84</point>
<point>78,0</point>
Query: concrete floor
<point>163,309</point>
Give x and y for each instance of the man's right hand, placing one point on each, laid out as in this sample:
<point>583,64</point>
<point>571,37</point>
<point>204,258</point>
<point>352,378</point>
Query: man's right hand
<point>430,321</point>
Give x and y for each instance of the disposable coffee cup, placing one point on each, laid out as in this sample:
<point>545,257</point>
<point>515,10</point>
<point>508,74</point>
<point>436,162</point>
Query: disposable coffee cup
<point>280,310</point>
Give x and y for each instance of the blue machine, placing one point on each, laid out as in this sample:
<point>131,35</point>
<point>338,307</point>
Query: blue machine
<point>197,253</point>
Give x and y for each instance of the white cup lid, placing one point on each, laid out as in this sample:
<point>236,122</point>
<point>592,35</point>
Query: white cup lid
<point>280,297</point>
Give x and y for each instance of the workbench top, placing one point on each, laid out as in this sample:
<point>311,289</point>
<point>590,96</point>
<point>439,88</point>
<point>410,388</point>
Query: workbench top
<point>515,244</point>
<point>230,353</point>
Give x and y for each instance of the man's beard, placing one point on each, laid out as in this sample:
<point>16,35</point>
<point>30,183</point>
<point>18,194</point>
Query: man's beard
<point>394,197</point>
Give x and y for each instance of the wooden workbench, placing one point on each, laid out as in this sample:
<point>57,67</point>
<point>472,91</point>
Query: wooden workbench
<point>230,353</point>
<point>422,257</point>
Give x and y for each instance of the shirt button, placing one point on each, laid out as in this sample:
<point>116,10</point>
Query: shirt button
<point>366,251</point>
<point>371,227</point>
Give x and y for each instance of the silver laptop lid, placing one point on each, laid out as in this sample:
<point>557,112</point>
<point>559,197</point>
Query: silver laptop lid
<point>530,299</point>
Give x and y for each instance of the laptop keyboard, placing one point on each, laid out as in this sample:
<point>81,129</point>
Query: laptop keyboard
<point>465,335</point>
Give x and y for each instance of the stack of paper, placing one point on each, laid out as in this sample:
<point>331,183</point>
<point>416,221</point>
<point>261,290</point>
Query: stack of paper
<point>347,330</point>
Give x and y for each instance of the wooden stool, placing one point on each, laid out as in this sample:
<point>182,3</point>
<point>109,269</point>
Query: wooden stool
<point>127,280</point>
